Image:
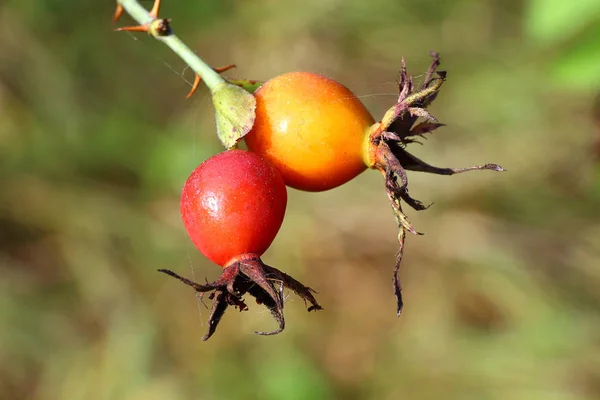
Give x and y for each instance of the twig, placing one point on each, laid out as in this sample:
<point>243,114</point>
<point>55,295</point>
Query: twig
<point>211,78</point>
<point>234,106</point>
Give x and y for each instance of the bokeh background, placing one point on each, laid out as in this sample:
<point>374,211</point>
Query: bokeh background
<point>96,139</point>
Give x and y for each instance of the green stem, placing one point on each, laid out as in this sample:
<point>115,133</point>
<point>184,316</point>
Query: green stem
<point>137,12</point>
<point>211,78</point>
<point>208,75</point>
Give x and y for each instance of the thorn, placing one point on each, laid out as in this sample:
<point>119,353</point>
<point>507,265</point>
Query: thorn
<point>139,28</point>
<point>136,28</point>
<point>118,13</point>
<point>155,9</point>
<point>198,79</point>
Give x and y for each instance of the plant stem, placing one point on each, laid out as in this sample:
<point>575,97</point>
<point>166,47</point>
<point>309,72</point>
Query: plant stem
<point>211,78</point>
<point>208,75</point>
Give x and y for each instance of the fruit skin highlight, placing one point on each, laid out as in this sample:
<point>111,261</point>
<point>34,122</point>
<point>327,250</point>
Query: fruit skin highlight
<point>320,136</point>
<point>232,207</point>
<point>312,129</point>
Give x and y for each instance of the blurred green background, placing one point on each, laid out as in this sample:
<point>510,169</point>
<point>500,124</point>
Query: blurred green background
<point>96,139</point>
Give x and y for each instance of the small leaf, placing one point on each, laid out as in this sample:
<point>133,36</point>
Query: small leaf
<point>234,113</point>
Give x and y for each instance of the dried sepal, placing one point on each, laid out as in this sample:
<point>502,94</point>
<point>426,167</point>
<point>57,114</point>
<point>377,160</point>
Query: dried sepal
<point>250,276</point>
<point>388,141</point>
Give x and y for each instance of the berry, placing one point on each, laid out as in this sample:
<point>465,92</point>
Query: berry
<point>233,204</point>
<point>232,207</point>
<point>311,128</point>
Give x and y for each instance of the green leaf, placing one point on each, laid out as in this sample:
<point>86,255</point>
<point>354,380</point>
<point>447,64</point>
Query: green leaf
<point>550,21</point>
<point>234,113</point>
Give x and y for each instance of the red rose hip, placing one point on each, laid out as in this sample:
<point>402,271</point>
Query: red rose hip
<point>232,207</point>
<point>233,204</point>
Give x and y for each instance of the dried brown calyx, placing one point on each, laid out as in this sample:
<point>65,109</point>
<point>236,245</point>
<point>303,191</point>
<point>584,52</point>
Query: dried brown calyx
<point>404,123</point>
<point>249,275</point>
